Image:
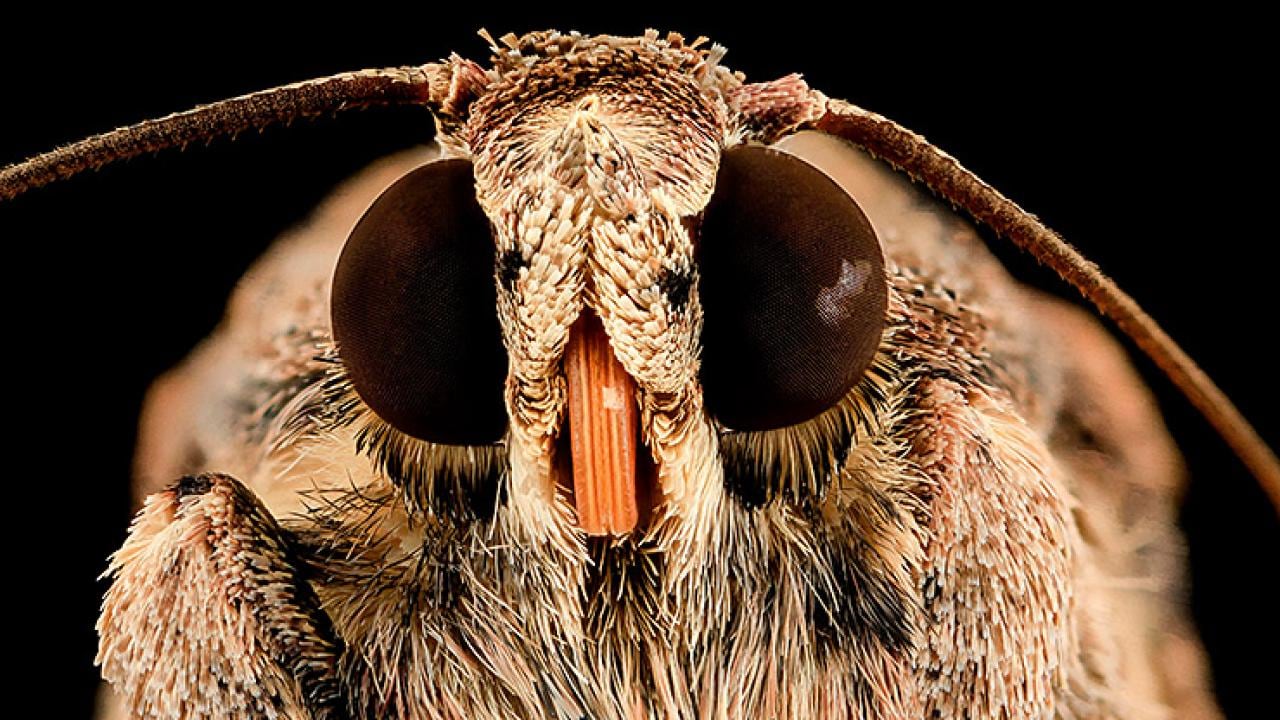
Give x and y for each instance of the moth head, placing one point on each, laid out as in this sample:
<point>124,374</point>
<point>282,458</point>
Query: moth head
<point>727,292</point>
<point>534,84</point>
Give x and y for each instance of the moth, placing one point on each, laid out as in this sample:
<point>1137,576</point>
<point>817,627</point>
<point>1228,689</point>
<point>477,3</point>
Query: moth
<point>842,456</point>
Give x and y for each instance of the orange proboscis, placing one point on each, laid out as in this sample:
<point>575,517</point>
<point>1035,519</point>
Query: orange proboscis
<point>603,437</point>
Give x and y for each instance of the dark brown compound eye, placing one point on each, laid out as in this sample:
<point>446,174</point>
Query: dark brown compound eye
<point>414,309</point>
<point>793,291</point>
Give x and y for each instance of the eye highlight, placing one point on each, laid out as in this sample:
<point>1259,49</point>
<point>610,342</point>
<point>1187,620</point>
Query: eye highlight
<point>793,291</point>
<point>414,310</point>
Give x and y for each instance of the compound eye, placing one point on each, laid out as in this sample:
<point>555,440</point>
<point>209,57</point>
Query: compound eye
<point>793,290</point>
<point>414,309</point>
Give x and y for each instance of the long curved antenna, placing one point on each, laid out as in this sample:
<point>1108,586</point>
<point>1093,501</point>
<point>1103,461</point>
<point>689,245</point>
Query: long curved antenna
<point>914,155</point>
<point>365,88</point>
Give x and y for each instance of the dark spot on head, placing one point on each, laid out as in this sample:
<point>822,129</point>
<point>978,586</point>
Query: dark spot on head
<point>621,588</point>
<point>931,588</point>
<point>509,264</point>
<point>760,466</point>
<point>746,480</point>
<point>676,284</point>
<point>194,485</point>
<point>947,373</point>
<point>692,225</point>
<point>470,494</point>
<point>861,604</point>
<point>459,491</point>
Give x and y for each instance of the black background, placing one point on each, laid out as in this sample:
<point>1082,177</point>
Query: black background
<point>1134,138</point>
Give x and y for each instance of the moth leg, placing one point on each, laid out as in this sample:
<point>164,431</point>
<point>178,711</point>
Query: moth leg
<point>208,615</point>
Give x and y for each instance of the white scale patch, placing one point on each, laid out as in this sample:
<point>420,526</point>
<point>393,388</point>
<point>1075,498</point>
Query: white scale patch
<point>833,302</point>
<point>613,399</point>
